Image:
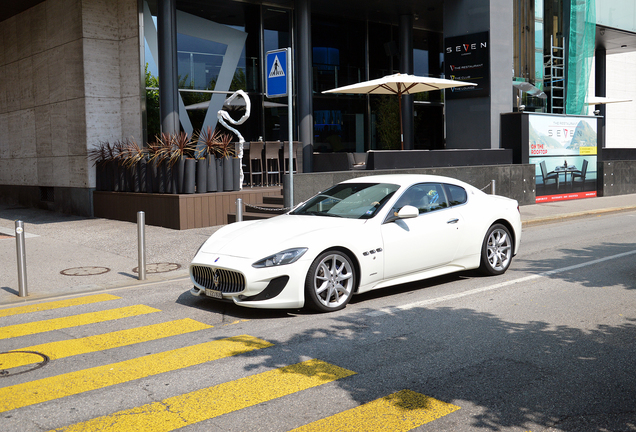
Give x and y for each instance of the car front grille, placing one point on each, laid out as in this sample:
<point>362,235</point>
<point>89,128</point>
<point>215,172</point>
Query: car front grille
<point>226,281</point>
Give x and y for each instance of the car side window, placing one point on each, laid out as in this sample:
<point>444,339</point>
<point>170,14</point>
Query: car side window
<point>426,197</point>
<point>456,195</point>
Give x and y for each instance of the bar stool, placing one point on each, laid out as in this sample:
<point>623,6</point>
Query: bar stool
<point>256,161</point>
<point>272,164</point>
<point>296,148</point>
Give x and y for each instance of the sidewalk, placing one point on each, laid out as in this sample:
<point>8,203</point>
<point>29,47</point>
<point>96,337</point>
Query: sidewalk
<point>71,254</point>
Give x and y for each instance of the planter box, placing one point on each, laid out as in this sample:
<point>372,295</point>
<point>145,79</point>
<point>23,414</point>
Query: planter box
<point>176,211</point>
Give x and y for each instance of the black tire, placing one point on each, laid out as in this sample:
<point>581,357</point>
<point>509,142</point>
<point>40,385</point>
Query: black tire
<point>496,251</point>
<point>330,282</point>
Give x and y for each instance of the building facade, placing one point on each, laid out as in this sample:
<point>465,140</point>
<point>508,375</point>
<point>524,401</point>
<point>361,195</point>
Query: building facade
<point>74,73</point>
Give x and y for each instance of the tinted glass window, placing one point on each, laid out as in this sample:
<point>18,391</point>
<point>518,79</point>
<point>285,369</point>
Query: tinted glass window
<point>456,195</point>
<point>426,197</point>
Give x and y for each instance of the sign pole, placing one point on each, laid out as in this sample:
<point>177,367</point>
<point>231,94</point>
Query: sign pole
<point>290,111</point>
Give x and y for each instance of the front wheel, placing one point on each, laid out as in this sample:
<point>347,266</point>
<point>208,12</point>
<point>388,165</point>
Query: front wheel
<point>330,282</point>
<point>496,251</point>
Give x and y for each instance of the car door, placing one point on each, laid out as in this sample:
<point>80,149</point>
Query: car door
<point>424,242</point>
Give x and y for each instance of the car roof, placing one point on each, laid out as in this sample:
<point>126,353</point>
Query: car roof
<point>406,179</point>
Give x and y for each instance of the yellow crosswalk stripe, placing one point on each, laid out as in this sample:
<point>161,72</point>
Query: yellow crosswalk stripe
<point>73,321</point>
<point>68,348</point>
<point>46,389</point>
<point>401,411</point>
<point>190,408</point>
<point>57,304</point>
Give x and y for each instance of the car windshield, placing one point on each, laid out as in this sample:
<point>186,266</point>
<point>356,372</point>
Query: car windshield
<point>349,200</point>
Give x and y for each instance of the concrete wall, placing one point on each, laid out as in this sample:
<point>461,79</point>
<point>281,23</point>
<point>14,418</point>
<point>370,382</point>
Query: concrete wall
<point>69,78</point>
<point>513,181</point>
<point>617,177</point>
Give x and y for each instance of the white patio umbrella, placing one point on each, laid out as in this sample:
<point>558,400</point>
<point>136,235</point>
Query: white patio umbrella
<point>399,84</point>
<point>602,100</point>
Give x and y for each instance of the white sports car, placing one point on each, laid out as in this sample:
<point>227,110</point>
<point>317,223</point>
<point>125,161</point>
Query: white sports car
<point>362,234</point>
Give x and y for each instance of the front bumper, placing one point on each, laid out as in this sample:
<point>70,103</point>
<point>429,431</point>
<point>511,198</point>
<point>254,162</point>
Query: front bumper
<point>278,287</point>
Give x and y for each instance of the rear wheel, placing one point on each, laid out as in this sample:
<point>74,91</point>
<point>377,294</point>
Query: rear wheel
<point>330,282</point>
<point>496,251</point>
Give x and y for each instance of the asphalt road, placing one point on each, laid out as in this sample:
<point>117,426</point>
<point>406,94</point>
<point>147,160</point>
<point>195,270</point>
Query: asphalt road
<point>549,346</point>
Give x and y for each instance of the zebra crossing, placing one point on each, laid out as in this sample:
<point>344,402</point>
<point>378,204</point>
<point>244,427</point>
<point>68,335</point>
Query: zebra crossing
<point>400,411</point>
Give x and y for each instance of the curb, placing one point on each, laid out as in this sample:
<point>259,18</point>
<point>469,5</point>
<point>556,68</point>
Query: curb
<point>114,287</point>
<point>582,214</point>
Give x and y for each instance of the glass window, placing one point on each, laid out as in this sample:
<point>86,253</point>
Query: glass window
<point>331,37</point>
<point>276,24</point>
<point>219,49</point>
<point>456,195</point>
<point>384,54</point>
<point>339,120</point>
<point>426,197</point>
<point>349,200</point>
<point>212,55</point>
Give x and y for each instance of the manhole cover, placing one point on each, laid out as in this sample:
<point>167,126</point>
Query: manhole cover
<point>85,271</point>
<point>19,362</point>
<point>159,268</point>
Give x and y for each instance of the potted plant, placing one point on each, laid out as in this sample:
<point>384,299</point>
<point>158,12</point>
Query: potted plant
<point>164,162</point>
<point>135,162</point>
<point>154,177</point>
<point>209,140</point>
<point>99,155</point>
<point>183,162</point>
<point>225,153</point>
<point>119,156</point>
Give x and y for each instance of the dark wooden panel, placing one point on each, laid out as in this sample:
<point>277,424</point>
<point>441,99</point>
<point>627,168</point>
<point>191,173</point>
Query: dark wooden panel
<point>176,211</point>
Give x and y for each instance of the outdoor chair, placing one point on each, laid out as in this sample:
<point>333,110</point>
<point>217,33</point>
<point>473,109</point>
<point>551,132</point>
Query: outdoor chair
<point>256,161</point>
<point>272,163</point>
<point>580,174</point>
<point>296,148</point>
<point>549,176</point>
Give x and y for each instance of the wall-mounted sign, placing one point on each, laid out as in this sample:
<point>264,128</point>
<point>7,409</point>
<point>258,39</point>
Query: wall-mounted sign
<point>467,58</point>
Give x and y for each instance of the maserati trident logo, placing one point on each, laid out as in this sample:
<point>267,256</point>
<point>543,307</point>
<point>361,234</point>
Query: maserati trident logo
<point>215,278</point>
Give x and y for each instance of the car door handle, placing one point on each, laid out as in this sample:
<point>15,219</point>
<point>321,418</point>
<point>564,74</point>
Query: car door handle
<point>452,221</point>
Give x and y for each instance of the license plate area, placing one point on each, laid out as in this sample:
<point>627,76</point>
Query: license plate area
<point>213,293</point>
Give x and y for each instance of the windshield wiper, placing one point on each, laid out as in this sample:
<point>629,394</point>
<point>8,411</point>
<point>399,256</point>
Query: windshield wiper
<point>317,213</point>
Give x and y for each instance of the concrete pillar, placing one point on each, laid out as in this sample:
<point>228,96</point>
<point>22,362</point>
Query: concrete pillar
<point>474,122</point>
<point>168,73</point>
<point>406,66</point>
<point>304,62</point>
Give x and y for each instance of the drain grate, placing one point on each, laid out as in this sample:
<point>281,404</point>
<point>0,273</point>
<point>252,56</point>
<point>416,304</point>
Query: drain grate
<point>85,271</point>
<point>159,268</point>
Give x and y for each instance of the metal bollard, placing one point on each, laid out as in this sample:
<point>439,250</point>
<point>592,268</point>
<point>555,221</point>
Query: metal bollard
<point>21,253</point>
<point>141,245</point>
<point>239,209</point>
<point>493,187</point>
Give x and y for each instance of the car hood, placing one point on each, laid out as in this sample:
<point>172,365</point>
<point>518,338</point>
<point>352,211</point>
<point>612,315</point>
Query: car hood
<point>263,238</point>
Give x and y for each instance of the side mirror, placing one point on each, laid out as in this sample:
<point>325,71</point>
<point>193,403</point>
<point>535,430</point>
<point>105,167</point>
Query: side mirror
<point>408,212</point>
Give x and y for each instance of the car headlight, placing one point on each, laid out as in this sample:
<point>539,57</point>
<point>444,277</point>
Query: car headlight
<point>281,258</point>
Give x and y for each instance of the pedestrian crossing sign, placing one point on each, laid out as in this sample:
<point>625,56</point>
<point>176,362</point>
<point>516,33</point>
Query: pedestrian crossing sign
<point>277,69</point>
<point>276,73</point>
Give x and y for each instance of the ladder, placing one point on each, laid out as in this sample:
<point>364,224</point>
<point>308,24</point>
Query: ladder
<point>554,79</point>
